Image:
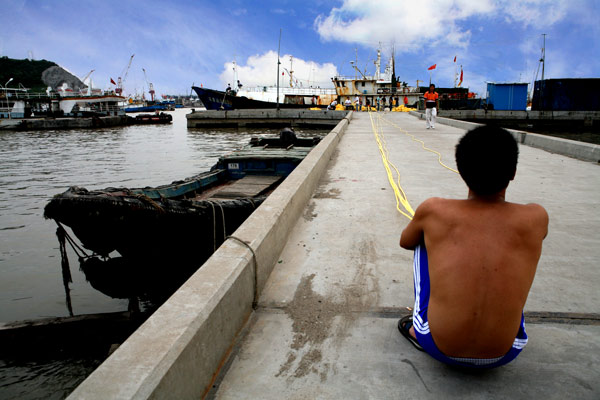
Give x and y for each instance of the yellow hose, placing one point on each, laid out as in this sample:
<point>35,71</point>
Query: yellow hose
<point>399,194</point>
<point>422,145</point>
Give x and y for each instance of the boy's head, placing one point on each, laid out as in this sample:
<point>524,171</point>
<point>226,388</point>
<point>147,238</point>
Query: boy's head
<point>486,158</point>
<point>432,87</point>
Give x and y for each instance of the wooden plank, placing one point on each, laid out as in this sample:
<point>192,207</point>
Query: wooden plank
<point>249,186</point>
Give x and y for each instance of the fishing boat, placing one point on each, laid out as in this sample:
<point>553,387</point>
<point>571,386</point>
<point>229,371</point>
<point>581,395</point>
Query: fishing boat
<point>387,88</point>
<point>156,118</point>
<point>293,94</point>
<point>182,223</point>
<point>264,98</point>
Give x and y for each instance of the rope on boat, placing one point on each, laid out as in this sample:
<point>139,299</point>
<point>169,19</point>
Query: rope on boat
<point>149,201</point>
<point>212,204</point>
<point>64,262</point>
<point>255,297</point>
<point>63,238</point>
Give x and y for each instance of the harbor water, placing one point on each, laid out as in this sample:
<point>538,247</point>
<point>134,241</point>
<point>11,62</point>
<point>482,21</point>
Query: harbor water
<point>36,165</point>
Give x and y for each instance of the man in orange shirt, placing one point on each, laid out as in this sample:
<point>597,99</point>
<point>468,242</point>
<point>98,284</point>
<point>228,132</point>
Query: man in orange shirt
<point>431,105</point>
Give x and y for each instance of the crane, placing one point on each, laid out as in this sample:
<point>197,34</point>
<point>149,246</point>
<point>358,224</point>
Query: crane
<point>150,86</point>
<point>87,76</point>
<point>119,89</point>
<point>89,90</point>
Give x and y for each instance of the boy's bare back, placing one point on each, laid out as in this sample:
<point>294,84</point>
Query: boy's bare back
<point>483,253</point>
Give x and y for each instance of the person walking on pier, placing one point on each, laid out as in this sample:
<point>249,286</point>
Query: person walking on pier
<point>474,260</point>
<point>431,106</point>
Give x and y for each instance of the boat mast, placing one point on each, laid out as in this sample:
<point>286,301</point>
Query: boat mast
<point>235,75</point>
<point>543,59</point>
<point>291,71</point>
<point>278,63</point>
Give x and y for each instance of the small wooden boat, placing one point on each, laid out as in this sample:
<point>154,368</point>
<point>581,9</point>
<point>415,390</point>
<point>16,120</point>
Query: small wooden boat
<point>184,222</point>
<point>156,118</point>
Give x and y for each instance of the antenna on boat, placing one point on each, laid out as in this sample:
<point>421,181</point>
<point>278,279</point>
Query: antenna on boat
<point>291,71</point>
<point>543,62</point>
<point>278,63</point>
<point>543,59</point>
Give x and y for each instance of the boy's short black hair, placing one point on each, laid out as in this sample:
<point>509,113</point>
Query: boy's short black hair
<point>486,158</point>
<point>431,84</point>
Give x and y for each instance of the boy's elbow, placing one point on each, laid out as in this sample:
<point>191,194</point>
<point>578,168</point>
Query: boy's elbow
<point>406,244</point>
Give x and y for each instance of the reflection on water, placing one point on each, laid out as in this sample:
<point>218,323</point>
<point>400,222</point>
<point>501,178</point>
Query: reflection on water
<point>36,165</point>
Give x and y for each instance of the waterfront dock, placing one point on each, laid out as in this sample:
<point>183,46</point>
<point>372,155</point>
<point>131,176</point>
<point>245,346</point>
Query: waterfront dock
<point>304,302</point>
<point>297,118</point>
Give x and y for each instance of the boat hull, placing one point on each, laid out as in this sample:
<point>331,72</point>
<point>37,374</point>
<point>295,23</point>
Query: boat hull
<point>218,100</point>
<point>140,228</point>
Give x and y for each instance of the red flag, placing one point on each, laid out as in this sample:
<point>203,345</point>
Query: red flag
<point>461,77</point>
<point>454,58</point>
<point>113,82</point>
<point>432,67</point>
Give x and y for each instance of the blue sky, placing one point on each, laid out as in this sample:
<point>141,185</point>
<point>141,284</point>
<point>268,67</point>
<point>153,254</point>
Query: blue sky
<point>185,42</point>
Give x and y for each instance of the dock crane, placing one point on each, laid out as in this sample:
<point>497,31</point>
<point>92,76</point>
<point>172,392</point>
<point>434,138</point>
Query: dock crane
<point>87,76</point>
<point>89,89</point>
<point>150,86</point>
<point>119,89</point>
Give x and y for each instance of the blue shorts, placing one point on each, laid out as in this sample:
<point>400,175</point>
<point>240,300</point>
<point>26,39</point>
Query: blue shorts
<point>421,325</point>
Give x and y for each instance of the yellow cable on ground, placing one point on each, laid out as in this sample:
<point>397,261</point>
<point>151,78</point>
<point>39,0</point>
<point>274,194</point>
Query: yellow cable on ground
<point>422,144</point>
<point>399,194</point>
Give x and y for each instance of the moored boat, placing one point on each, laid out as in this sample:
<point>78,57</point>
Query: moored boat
<point>230,100</point>
<point>156,118</point>
<point>182,223</point>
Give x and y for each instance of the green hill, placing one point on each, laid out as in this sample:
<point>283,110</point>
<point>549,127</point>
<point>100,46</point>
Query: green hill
<point>26,72</point>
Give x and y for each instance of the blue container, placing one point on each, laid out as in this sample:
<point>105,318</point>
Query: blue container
<point>507,96</point>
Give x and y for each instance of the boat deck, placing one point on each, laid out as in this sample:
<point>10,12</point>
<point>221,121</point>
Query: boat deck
<point>248,186</point>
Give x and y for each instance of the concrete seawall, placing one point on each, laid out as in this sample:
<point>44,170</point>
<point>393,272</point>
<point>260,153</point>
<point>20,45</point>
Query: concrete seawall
<point>264,118</point>
<point>571,148</point>
<point>177,352</point>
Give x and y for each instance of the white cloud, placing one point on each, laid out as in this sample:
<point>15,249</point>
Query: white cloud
<point>537,13</point>
<point>261,70</point>
<point>412,24</point>
<point>409,24</point>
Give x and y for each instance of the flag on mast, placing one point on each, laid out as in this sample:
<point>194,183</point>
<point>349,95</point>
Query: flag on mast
<point>432,67</point>
<point>461,76</point>
<point>454,58</point>
<point>113,82</point>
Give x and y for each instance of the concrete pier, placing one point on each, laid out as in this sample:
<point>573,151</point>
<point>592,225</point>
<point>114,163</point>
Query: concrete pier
<point>265,118</point>
<point>330,282</point>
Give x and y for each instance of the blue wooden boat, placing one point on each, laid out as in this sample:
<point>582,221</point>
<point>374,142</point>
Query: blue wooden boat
<point>184,222</point>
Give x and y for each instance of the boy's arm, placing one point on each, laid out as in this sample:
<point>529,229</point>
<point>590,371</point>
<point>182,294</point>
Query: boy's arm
<point>412,235</point>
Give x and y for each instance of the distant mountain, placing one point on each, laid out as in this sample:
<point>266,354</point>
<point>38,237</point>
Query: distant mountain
<point>36,75</point>
<point>55,77</point>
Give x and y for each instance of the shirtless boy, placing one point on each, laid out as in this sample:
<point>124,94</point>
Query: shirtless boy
<point>475,260</point>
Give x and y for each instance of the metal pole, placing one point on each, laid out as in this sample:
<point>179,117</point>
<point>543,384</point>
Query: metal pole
<point>543,55</point>
<point>278,62</point>
<point>6,95</point>
<point>542,84</point>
